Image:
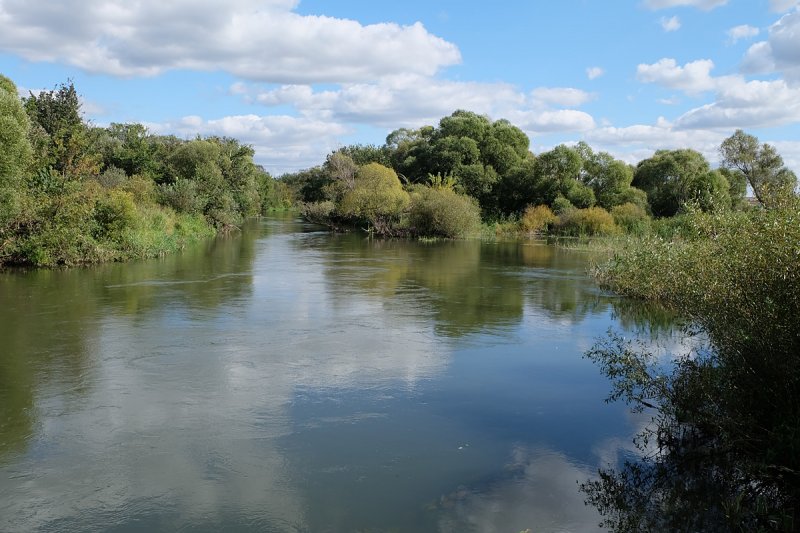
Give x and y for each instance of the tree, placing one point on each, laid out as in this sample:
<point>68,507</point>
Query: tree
<point>377,198</point>
<point>675,178</point>
<point>15,149</point>
<point>59,135</point>
<point>761,165</point>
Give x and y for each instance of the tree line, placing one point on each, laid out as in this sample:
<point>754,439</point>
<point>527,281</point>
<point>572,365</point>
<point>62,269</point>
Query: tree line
<point>73,193</point>
<point>433,178</point>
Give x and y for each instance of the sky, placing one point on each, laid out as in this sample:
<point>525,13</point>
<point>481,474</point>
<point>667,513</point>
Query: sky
<point>297,79</point>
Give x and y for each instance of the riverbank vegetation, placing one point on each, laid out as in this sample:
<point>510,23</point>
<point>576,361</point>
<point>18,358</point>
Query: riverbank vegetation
<point>73,193</point>
<point>488,173</point>
<point>721,452</point>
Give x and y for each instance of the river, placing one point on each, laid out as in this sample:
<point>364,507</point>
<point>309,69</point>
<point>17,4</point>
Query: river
<point>287,379</point>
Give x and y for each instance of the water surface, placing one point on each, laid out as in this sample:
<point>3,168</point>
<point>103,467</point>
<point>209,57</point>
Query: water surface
<point>286,379</point>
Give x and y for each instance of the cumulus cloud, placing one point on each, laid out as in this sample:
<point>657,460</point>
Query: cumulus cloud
<point>781,50</point>
<point>408,101</point>
<point>639,141</point>
<point>670,24</point>
<point>743,31</point>
<point>738,103</point>
<point>282,143</point>
<point>594,72</point>
<point>693,78</point>
<point>252,39</point>
<point>705,5</point>
<point>743,104</point>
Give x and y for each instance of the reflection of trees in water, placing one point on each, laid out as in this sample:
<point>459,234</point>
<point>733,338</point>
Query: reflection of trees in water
<point>470,286</point>
<point>49,318</point>
<point>462,291</point>
<point>644,318</point>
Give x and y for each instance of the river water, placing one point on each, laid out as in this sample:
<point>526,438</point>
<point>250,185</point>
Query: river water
<point>287,379</point>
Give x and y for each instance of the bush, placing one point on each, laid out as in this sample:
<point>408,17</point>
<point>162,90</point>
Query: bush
<point>443,212</point>
<point>377,197</point>
<point>631,218</point>
<point>726,417</point>
<point>183,196</point>
<point>580,222</point>
<point>561,205</point>
<point>537,219</point>
<point>318,212</point>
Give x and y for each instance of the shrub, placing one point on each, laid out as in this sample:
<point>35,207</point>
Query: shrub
<point>443,212</point>
<point>537,219</point>
<point>591,221</point>
<point>724,418</point>
<point>318,212</point>
<point>377,196</point>
<point>561,205</point>
<point>182,196</point>
<point>631,218</point>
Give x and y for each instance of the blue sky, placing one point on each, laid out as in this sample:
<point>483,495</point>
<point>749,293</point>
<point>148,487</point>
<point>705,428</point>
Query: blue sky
<point>298,79</point>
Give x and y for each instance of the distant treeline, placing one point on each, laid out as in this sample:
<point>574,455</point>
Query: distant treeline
<point>442,180</point>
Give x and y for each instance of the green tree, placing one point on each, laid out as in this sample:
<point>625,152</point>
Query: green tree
<point>762,167</point>
<point>15,151</point>
<point>376,198</point>
<point>61,138</point>
<point>674,178</point>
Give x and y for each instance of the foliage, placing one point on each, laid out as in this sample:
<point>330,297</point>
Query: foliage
<point>73,194</point>
<point>674,178</point>
<point>377,197</point>
<point>722,451</point>
<point>762,166</point>
<point>15,150</point>
<point>590,221</point>
<point>631,218</point>
<point>440,211</point>
<point>537,219</point>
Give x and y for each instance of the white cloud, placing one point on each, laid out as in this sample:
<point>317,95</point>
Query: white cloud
<point>408,101</point>
<point>782,6</point>
<point>282,143</point>
<point>670,24</point>
<point>746,104</point>
<point>693,78</point>
<point>253,39</point>
<point>738,103</point>
<point>780,52</point>
<point>560,120</point>
<point>639,141</point>
<point>565,96</point>
<point>594,72</point>
<point>743,31</point>
<point>705,5</point>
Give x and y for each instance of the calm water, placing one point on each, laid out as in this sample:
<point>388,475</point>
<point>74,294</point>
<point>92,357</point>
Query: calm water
<point>291,380</point>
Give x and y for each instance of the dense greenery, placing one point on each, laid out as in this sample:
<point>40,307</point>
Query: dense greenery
<point>586,192</point>
<point>721,452</point>
<point>73,193</point>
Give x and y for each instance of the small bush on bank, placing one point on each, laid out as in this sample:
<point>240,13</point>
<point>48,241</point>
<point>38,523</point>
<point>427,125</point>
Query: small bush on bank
<point>631,218</point>
<point>537,219</point>
<point>590,221</point>
<point>442,212</point>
